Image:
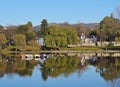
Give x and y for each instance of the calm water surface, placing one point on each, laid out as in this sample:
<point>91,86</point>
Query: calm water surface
<point>61,70</point>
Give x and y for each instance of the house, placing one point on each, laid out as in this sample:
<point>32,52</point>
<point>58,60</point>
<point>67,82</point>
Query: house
<point>40,41</point>
<point>88,41</point>
<point>92,39</point>
<point>83,38</point>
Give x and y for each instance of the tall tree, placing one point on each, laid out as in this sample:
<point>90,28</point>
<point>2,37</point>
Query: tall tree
<point>43,28</point>
<point>111,26</point>
<point>29,26</point>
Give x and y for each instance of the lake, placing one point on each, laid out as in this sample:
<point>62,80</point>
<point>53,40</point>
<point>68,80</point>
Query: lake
<point>61,70</point>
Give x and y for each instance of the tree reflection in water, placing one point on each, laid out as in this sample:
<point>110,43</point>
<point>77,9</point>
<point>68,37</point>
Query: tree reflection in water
<point>107,66</point>
<point>63,64</point>
<point>11,65</point>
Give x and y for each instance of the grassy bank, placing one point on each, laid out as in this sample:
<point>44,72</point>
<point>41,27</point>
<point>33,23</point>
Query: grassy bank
<point>69,49</point>
<point>84,48</point>
<point>20,49</point>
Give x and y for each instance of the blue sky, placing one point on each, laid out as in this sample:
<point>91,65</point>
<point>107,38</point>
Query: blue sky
<point>15,12</point>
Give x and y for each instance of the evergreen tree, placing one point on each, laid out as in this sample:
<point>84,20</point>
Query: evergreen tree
<point>43,28</point>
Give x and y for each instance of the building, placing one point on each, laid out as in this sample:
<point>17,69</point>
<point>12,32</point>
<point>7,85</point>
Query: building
<point>40,41</point>
<point>91,41</point>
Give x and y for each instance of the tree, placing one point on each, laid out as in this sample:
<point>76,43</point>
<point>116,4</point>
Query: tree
<point>30,36</point>
<point>72,36</point>
<point>55,37</point>
<point>61,36</point>
<point>10,32</point>
<point>3,40</point>
<point>1,29</point>
<point>110,26</point>
<point>81,29</point>
<point>33,43</point>
<point>19,40</point>
<point>101,36</point>
<point>43,28</point>
<point>26,29</point>
<point>29,25</point>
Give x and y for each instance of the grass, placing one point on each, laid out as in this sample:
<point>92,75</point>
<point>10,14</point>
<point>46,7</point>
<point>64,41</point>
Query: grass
<point>77,48</point>
<point>84,48</point>
<point>20,49</point>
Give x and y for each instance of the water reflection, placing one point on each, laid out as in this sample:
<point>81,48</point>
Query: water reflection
<point>55,65</point>
<point>11,65</point>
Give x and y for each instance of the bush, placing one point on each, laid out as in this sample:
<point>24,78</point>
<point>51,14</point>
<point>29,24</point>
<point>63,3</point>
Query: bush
<point>110,44</point>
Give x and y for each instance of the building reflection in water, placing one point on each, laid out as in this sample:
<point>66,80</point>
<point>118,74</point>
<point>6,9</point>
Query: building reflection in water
<point>90,58</point>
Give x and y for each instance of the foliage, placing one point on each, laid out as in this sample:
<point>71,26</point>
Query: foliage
<point>26,29</point>
<point>72,36</point>
<point>111,27</point>
<point>81,29</point>
<point>43,28</point>
<point>15,65</point>
<point>19,40</point>
<point>60,36</point>
<point>3,40</point>
<point>62,65</point>
<point>33,43</point>
<point>10,32</point>
<point>55,37</point>
<point>109,68</point>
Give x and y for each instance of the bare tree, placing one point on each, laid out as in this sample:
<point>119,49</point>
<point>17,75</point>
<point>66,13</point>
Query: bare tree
<point>117,13</point>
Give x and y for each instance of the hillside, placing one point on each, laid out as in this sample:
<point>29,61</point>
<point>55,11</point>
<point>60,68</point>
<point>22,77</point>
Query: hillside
<point>86,25</point>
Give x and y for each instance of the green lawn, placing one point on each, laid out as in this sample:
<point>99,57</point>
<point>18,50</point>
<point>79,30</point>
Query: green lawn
<point>85,48</point>
<point>77,48</point>
<point>92,48</point>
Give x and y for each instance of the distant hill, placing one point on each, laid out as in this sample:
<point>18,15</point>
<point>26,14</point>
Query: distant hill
<point>36,28</point>
<point>86,25</point>
<point>91,25</point>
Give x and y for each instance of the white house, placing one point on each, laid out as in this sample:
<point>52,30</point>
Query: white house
<point>40,41</point>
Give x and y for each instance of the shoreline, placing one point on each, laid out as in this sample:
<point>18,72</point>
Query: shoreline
<point>66,51</point>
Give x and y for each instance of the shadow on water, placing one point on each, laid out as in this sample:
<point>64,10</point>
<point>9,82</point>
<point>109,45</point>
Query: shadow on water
<point>54,65</point>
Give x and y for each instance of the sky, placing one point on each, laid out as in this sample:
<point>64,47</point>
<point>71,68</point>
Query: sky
<point>16,12</point>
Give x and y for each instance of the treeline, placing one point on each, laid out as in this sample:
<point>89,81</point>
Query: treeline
<point>58,35</point>
<point>18,36</point>
<point>108,30</point>
<point>24,35</point>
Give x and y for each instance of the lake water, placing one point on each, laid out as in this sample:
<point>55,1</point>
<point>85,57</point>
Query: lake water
<point>61,70</point>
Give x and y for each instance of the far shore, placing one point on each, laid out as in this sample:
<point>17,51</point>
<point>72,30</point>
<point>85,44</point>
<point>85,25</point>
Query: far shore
<point>78,49</point>
<point>66,51</point>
